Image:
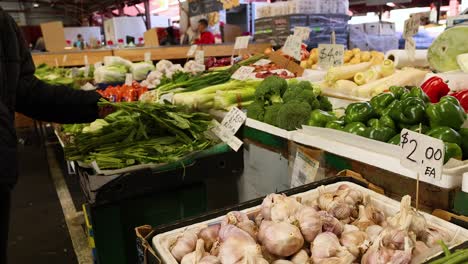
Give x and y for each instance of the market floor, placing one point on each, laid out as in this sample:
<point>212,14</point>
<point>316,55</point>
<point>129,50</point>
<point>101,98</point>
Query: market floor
<point>38,231</point>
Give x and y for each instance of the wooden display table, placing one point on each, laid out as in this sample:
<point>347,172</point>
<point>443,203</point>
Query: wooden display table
<point>70,58</point>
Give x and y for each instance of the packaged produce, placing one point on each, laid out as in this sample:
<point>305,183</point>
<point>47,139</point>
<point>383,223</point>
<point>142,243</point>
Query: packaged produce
<point>354,56</point>
<point>123,93</point>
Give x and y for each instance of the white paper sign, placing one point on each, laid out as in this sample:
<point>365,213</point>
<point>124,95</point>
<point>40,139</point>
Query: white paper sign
<point>262,62</point>
<point>128,79</point>
<point>304,171</point>
<point>243,73</point>
<point>199,67</point>
<point>422,153</point>
<point>233,120</point>
<point>292,47</point>
<point>241,42</point>
<point>74,72</point>
<point>411,26</point>
<point>330,55</point>
<point>302,32</point>
<point>86,63</point>
<point>148,56</point>
<point>200,57</point>
<point>410,47</point>
<point>192,50</point>
<point>64,59</point>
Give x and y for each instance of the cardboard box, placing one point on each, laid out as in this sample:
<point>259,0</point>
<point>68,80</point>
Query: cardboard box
<point>378,28</point>
<point>54,36</point>
<point>357,27</point>
<point>387,28</point>
<point>372,28</point>
<point>151,38</point>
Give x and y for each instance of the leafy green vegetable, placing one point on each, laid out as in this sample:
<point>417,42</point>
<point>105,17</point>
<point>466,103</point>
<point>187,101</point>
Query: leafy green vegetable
<point>271,89</point>
<point>256,110</point>
<point>293,114</point>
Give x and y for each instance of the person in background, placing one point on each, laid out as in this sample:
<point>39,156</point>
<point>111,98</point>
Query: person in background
<point>206,37</point>
<point>40,45</point>
<point>21,91</point>
<point>80,42</point>
<point>170,38</point>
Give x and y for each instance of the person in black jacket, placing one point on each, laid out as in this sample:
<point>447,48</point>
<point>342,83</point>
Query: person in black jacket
<point>22,92</point>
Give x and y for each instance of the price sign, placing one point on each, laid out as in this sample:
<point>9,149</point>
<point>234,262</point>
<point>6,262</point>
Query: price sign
<point>305,169</point>
<point>128,79</point>
<point>192,50</point>
<point>330,55</point>
<point>200,57</point>
<point>292,47</point>
<point>411,26</point>
<point>74,72</point>
<point>229,127</point>
<point>64,59</point>
<point>241,42</point>
<point>302,32</point>
<point>97,65</point>
<point>243,73</point>
<point>86,63</point>
<point>422,153</point>
<point>262,62</point>
<point>410,47</point>
<point>148,56</point>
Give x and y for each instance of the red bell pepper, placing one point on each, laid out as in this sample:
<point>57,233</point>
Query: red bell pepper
<point>462,97</point>
<point>435,88</point>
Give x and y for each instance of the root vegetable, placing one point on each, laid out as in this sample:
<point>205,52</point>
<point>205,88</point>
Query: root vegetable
<point>280,238</point>
<point>330,223</point>
<point>184,244</point>
<point>277,207</point>
<point>373,232</point>
<point>237,246</point>
<point>432,235</point>
<point>242,221</point>
<point>209,235</point>
<point>310,223</point>
<point>282,261</point>
<point>195,256</point>
<point>325,245</point>
<point>363,221</point>
<point>355,241</point>
<point>300,257</point>
<point>209,260</point>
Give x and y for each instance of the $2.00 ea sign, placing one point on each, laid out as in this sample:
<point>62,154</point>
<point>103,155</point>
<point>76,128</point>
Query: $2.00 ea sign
<point>422,153</point>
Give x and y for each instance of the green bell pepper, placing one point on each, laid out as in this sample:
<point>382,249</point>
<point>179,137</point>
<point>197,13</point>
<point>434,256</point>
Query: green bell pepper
<point>395,140</point>
<point>464,145</point>
<point>358,112</point>
<point>380,102</point>
<point>335,124</point>
<point>408,111</point>
<point>381,133</point>
<point>452,150</point>
<point>398,91</point>
<point>357,128</point>
<point>320,118</point>
<point>445,134</point>
<point>373,122</point>
<point>387,121</point>
<point>447,112</point>
<point>423,129</point>
<point>416,92</point>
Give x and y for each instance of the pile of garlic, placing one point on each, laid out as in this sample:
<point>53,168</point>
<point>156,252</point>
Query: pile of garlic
<point>338,227</point>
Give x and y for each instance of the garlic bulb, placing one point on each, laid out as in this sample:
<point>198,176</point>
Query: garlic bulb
<point>394,238</point>
<point>330,223</point>
<point>355,241</point>
<point>267,255</point>
<point>229,231</point>
<point>209,260</point>
<point>300,257</point>
<point>348,195</point>
<point>282,261</point>
<point>280,238</point>
<point>373,214</point>
<point>379,253</point>
<point>183,245</point>
<point>349,228</point>
<point>195,256</point>
<point>409,218</point>
<point>325,245</point>
<point>237,248</point>
<point>325,198</point>
<point>310,223</point>
<point>363,221</point>
<point>340,211</point>
<point>373,232</point>
<point>215,248</point>
<point>420,248</point>
<point>432,234</point>
<point>209,235</point>
<point>277,207</point>
<point>242,221</point>
<point>343,257</point>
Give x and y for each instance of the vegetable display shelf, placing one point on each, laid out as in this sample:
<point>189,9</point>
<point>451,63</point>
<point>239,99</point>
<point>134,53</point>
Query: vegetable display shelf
<point>266,135</point>
<point>159,197</point>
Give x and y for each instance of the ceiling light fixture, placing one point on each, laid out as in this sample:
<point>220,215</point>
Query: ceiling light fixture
<point>391,4</point>
<point>35,5</point>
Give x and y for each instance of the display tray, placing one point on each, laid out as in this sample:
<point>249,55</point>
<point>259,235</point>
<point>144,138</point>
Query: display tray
<point>375,153</point>
<point>161,237</point>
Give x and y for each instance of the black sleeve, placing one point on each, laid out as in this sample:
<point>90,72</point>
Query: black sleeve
<point>46,102</point>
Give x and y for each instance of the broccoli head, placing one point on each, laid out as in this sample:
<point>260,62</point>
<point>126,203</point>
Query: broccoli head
<point>271,89</point>
<point>256,110</point>
<point>293,114</point>
<point>325,104</point>
<point>271,114</point>
<point>302,91</point>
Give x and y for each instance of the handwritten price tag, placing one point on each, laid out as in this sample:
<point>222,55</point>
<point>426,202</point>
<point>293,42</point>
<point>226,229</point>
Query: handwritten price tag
<point>148,56</point>
<point>262,62</point>
<point>410,47</point>
<point>192,50</point>
<point>292,47</point>
<point>200,57</point>
<point>243,73</point>
<point>330,55</point>
<point>411,26</point>
<point>229,127</point>
<point>422,153</point>
<point>97,65</point>
<point>241,42</point>
<point>302,32</point>
<point>128,79</point>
